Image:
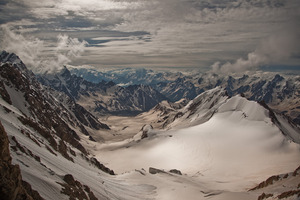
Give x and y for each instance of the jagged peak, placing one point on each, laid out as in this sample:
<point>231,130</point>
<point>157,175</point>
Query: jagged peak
<point>278,78</point>
<point>216,101</point>
<point>9,57</point>
<point>206,97</point>
<point>13,59</point>
<point>65,72</point>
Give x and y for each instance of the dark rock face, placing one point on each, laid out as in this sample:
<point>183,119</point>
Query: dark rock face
<point>86,118</point>
<point>101,166</point>
<point>4,94</point>
<point>155,171</point>
<point>293,192</point>
<point>11,185</point>
<point>176,171</point>
<point>75,190</point>
<point>264,196</point>
<point>267,182</point>
<point>144,96</point>
<point>180,88</point>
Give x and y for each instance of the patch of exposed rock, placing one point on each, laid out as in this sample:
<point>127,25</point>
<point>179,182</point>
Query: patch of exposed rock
<point>155,171</point>
<point>75,190</point>
<point>176,171</point>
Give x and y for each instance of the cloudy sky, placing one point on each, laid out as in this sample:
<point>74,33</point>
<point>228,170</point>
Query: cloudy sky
<point>220,35</point>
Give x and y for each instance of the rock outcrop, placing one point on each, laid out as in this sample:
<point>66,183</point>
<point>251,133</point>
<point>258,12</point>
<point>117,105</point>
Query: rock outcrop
<point>75,190</point>
<point>176,171</point>
<point>155,171</point>
<point>12,187</point>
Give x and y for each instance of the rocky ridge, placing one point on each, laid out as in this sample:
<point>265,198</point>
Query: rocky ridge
<point>278,91</point>
<point>104,97</point>
<point>53,115</point>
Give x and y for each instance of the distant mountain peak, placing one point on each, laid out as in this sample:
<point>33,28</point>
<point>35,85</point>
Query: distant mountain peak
<point>65,72</point>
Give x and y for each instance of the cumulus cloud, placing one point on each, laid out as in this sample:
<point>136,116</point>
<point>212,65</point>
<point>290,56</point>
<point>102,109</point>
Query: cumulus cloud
<point>68,48</point>
<point>38,55</point>
<point>275,49</point>
<point>28,49</point>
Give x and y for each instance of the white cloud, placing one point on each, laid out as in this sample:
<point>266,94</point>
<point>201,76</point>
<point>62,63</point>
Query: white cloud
<point>276,49</point>
<point>69,47</point>
<point>37,54</point>
<point>28,50</point>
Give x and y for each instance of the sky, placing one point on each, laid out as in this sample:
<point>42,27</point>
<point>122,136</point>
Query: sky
<point>223,36</point>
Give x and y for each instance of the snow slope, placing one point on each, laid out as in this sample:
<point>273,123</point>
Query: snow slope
<point>46,138</point>
<point>44,176</point>
<point>233,151</point>
<point>236,148</point>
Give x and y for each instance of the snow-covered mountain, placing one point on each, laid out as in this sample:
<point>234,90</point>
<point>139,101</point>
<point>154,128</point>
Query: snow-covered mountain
<point>174,85</point>
<point>104,97</point>
<point>33,99</point>
<point>179,89</point>
<point>216,146</point>
<point>206,105</point>
<point>224,144</point>
<point>279,91</point>
<point>196,111</point>
<point>47,133</point>
<point>126,76</point>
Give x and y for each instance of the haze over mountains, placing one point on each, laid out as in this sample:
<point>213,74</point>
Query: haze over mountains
<point>196,138</point>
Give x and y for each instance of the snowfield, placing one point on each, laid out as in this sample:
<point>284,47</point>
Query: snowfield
<point>44,176</point>
<point>235,149</point>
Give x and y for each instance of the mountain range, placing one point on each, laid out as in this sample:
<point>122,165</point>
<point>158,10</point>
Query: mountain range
<point>104,97</point>
<point>280,92</point>
<point>218,145</point>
